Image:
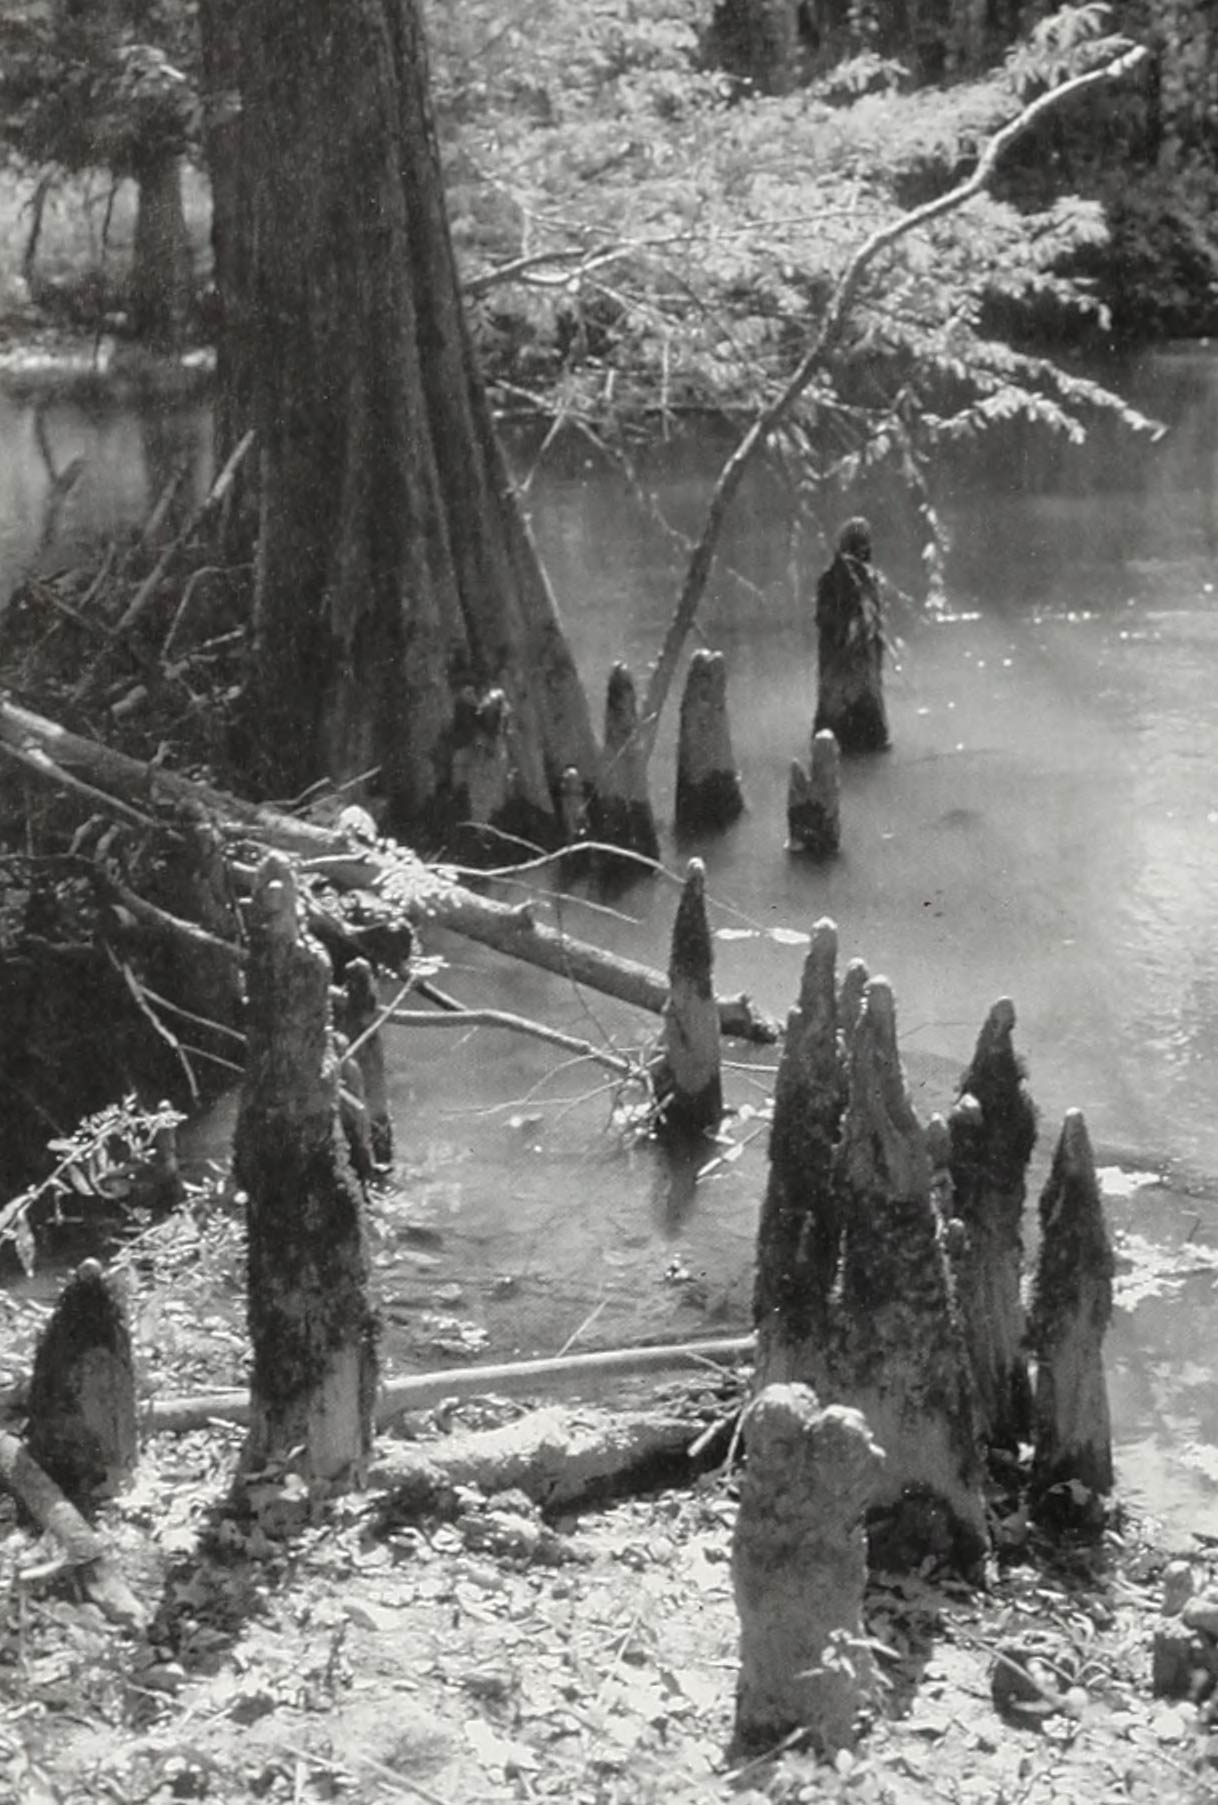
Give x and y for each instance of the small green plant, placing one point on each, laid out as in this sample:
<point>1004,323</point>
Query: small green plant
<point>98,1162</point>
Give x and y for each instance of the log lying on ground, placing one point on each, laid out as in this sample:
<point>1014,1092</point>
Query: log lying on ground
<point>799,1230</point>
<point>898,1350</point>
<point>138,792</point>
<point>799,1568</point>
<point>850,642</point>
<point>84,1549</point>
<point>990,1149</point>
<point>81,1427</point>
<point>621,809</point>
<point>1071,1310</point>
<point>708,784</point>
<point>519,1378</point>
<point>556,1456</point>
<point>687,1074</point>
<point>814,801</point>
<point>312,1326</point>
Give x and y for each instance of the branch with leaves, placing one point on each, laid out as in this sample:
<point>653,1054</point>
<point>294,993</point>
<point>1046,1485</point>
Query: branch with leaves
<point>828,334</point>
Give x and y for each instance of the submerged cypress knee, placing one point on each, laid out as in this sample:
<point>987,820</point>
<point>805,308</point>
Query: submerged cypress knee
<point>799,1230</point>
<point>898,1352</point>
<point>622,813</point>
<point>312,1325</point>
<point>814,812</point>
<point>81,1412</point>
<point>850,646</point>
<point>1071,1310</point>
<point>358,1010</point>
<point>799,1568</point>
<point>708,783</point>
<point>686,1074</point>
<point>991,1146</point>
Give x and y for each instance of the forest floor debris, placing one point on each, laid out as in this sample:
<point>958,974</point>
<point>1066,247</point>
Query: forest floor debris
<point>352,1651</point>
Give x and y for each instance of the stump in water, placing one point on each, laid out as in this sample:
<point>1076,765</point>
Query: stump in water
<point>850,642</point>
<point>898,1349</point>
<point>993,1132</point>
<point>312,1326</point>
<point>814,812</point>
<point>708,783</point>
<point>799,1567</point>
<point>686,1073</point>
<point>1071,1309</point>
<point>481,768</point>
<point>82,1418</point>
<point>358,1010</point>
<point>621,813</point>
<point>799,1231</point>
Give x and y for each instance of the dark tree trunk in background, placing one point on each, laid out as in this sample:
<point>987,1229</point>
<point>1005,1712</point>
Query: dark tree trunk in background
<point>395,571</point>
<point>231,237</point>
<point>161,257</point>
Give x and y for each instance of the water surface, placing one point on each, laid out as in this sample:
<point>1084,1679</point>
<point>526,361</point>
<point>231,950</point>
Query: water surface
<point>1045,827</point>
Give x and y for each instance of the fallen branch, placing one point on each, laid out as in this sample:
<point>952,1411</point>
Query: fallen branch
<point>420,1391</point>
<point>84,1549</point>
<point>828,331</point>
<point>519,1024</point>
<point>133,790</point>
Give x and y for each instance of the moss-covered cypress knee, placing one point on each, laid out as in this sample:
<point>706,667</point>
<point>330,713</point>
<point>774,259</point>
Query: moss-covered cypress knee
<point>850,646</point>
<point>814,811</point>
<point>799,1230</point>
<point>686,1072</point>
<point>992,1140</point>
<point>81,1415</point>
<point>312,1324</point>
<point>620,812</point>
<point>898,1352</point>
<point>1071,1310</point>
<point>708,784</point>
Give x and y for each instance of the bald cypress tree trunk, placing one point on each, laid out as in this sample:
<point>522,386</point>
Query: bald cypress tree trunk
<point>395,570</point>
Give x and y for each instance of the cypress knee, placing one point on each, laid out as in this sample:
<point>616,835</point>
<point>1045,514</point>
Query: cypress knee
<point>850,646</point>
<point>898,1351</point>
<point>991,1146</point>
<point>312,1325</point>
<point>686,1073</point>
<point>814,813</point>
<point>799,1568</point>
<point>799,1230</point>
<point>621,813</point>
<point>81,1412</point>
<point>1071,1310</point>
<point>708,783</point>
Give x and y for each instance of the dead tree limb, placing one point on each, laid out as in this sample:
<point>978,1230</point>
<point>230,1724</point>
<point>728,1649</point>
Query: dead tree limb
<point>582,1373</point>
<point>826,336</point>
<point>618,1063</point>
<point>133,790</point>
<point>83,1548</point>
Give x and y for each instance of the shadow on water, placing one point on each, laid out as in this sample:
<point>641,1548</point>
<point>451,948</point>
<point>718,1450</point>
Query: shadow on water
<point>1045,827</point>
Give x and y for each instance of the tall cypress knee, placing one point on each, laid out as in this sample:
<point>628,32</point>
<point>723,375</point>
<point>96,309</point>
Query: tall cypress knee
<point>312,1324</point>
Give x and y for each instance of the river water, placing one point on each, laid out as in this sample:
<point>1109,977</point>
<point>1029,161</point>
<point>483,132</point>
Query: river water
<point>1045,827</point>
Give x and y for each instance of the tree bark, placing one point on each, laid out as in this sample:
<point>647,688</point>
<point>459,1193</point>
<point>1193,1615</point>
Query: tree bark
<point>231,229</point>
<point>160,264</point>
<point>312,1327</point>
<point>394,564</point>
